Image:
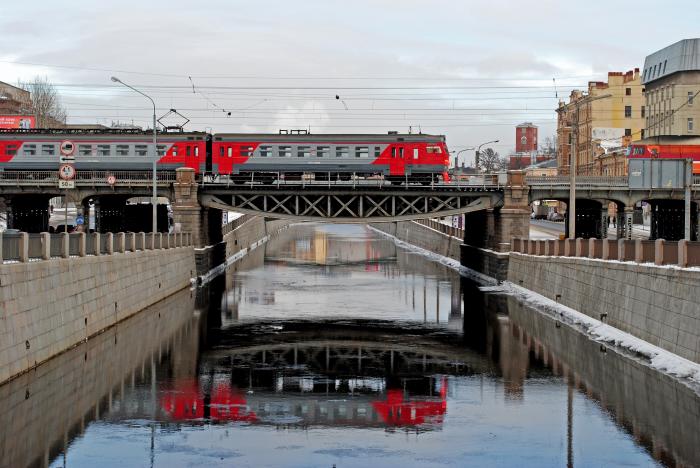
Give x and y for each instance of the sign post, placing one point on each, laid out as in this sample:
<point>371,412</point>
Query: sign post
<point>66,175</point>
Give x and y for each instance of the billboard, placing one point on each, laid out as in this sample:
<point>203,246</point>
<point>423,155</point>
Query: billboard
<point>17,121</point>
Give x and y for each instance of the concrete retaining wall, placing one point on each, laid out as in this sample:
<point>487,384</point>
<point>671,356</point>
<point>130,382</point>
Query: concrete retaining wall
<point>488,262</point>
<point>50,306</point>
<point>659,305</point>
<point>423,237</point>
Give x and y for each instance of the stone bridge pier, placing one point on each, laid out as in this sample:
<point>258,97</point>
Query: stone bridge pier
<point>493,228</point>
<point>189,216</point>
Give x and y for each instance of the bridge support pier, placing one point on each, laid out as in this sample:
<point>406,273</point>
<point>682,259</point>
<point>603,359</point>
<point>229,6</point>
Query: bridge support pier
<point>28,213</point>
<point>668,220</point>
<point>190,216</point>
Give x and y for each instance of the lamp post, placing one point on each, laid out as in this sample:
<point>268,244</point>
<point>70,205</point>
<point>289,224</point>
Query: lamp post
<point>154,195</point>
<point>460,152</point>
<point>478,149</point>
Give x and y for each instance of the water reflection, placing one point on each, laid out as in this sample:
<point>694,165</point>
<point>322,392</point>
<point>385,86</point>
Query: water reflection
<point>329,345</point>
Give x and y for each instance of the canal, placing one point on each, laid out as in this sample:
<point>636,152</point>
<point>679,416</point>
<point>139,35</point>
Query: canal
<point>330,346</point>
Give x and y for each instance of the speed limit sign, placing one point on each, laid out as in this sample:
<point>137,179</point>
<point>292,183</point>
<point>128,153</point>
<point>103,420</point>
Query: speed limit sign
<point>66,172</point>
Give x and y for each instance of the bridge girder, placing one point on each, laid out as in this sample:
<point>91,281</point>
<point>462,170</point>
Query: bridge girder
<point>350,206</point>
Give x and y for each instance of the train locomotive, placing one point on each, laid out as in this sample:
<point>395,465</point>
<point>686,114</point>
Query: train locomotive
<point>399,158</point>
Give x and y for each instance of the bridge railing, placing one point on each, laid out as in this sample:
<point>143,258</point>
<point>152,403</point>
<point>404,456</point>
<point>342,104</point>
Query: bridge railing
<point>442,227</point>
<point>85,177</point>
<point>581,181</point>
<point>659,252</point>
<point>25,247</point>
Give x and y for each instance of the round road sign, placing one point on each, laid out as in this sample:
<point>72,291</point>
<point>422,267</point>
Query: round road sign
<point>111,180</point>
<point>67,148</point>
<point>66,172</point>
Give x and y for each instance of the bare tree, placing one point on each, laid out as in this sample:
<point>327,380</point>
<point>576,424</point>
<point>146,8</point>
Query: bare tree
<point>44,102</point>
<point>490,161</point>
<point>550,145</point>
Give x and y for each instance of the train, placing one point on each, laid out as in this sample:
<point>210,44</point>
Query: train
<point>399,158</point>
<point>644,150</point>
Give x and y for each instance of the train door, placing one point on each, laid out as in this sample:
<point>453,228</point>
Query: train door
<point>208,164</point>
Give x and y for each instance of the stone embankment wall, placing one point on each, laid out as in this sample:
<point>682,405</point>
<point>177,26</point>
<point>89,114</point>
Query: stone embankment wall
<point>47,307</point>
<point>422,236</point>
<point>657,304</point>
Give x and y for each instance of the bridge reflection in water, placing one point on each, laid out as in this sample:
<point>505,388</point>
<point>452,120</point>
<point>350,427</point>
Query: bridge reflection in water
<point>468,376</point>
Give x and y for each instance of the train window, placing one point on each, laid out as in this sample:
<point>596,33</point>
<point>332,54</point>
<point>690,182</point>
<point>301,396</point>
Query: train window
<point>361,152</point>
<point>11,150</point>
<point>48,150</point>
<point>377,151</point>
<point>433,149</point>
<point>221,151</point>
<point>196,151</point>
<point>265,151</point>
<point>162,153</point>
<point>142,150</point>
<point>85,150</point>
<point>188,151</point>
<point>342,151</point>
<point>246,151</point>
<point>122,150</point>
<point>103,150</point>
<point>30,150</point>
<point>415,153</point>
<point>393,153</point>
<point>303,151</point>
<point>229,151</point>
<point>401,153</point>
<point>323,151</point>
<point>284,151</point>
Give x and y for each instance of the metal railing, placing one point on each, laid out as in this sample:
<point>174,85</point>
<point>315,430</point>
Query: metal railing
<point>581,181</point>
<point>442,227</point>
<point>659,252</point>
<point>24,247</point>
<point>85,177</point>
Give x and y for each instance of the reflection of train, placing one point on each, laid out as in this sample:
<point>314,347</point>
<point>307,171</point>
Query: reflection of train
<point>399,157</point>
<point>667,151</point>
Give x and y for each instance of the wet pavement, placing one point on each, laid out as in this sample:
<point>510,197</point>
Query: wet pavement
<point>329,346</point>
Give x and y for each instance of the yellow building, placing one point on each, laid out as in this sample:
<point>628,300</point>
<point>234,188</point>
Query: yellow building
<point>610,115</point>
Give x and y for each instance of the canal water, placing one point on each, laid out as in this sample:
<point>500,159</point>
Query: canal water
<point>330,346</point>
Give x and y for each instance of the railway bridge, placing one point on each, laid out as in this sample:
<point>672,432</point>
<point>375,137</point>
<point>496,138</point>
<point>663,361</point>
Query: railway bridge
<point>496,209</point>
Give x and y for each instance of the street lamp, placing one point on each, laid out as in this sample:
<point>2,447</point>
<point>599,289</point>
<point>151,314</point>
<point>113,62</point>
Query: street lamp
<point>154,196</point>
<point>478,149</point>
<point>460,152</point>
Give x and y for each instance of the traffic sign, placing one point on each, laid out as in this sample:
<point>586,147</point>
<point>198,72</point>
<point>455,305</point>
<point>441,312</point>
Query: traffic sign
<point>111,180</point>
<point>66,172</point>
<point>66,184</point>
<point>79,220</point>
<point>67,148</point>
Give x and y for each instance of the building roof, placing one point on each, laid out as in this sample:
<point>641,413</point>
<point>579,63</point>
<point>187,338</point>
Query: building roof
<point>684,55</point>
<point>526,124</point>
<point>3,85</point>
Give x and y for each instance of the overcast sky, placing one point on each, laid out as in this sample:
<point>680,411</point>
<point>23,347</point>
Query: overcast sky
<point>471,70</point>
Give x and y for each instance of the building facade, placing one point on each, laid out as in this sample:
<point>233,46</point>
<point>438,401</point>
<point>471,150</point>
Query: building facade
<point>609,116</point>
<point>13,100</point>
<point>526,138</point>
<point>672,80</point>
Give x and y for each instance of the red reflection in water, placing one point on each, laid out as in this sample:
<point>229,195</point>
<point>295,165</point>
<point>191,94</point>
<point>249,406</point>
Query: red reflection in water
<point>397,412</point>
<point>186,402</point>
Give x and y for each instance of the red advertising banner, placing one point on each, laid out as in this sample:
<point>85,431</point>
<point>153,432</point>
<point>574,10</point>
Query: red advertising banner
<point>17,121</point>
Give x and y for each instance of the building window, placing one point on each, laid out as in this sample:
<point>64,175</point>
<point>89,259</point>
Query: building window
<point>664,66</point>
<point>361,152</point>
<point>323,151</point>
<point>628,111</point>
<point>284,151</point>
<point>122,150</point>
<point>642,111</point>
<point>642,134</point>
<point>303,151</point>
<point>141,150</point>
<point>84,150</point>
<point>265,151</point>
<point>342,151</point>
<point>628,132</point>
<point>690,98</point>
<point>628,91</point>
<point>690,125</point>
<point>654,72</point>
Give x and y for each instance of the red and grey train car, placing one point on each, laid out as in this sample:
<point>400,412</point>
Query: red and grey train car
<point>643,150</point>
<point>407,157</point>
